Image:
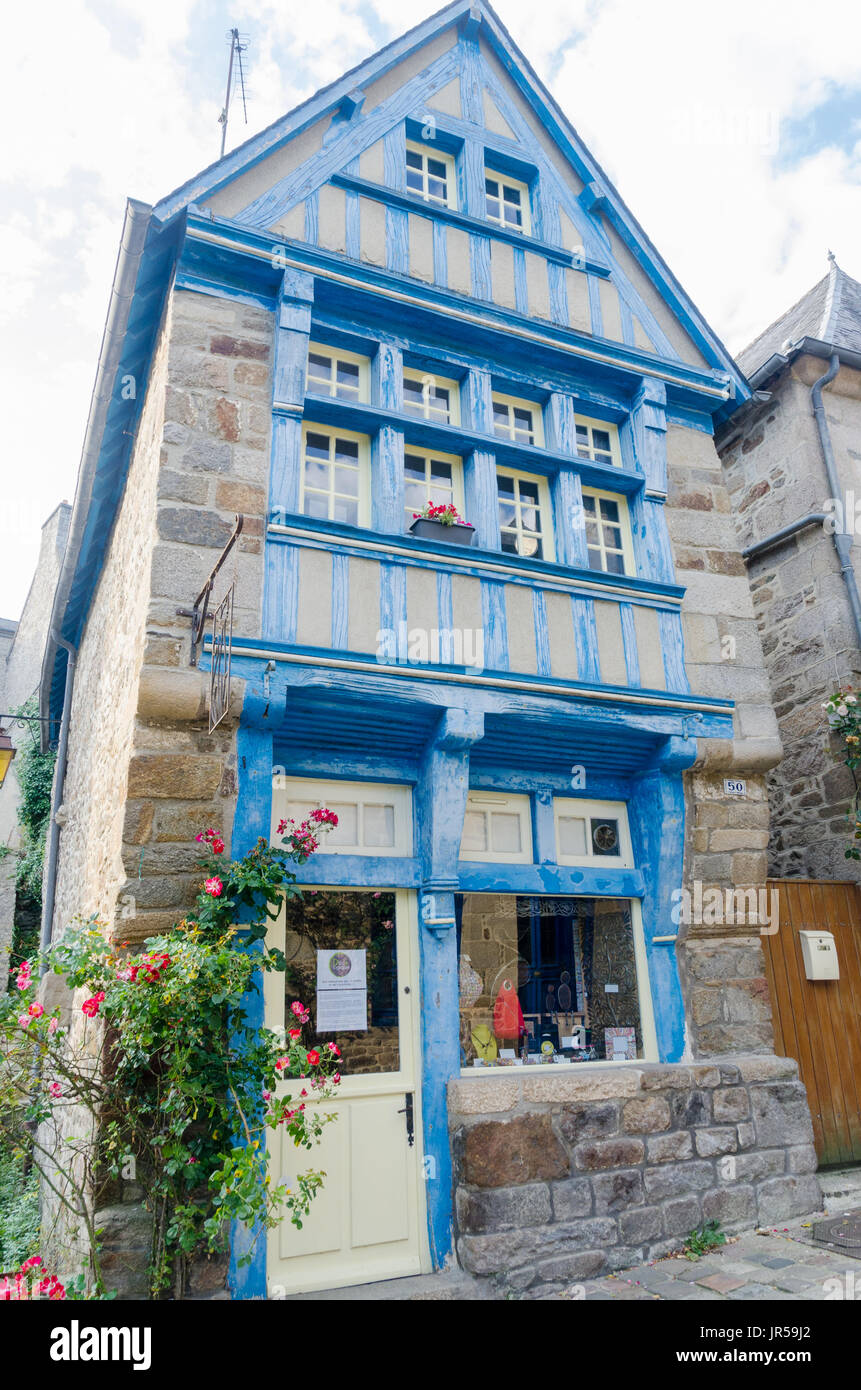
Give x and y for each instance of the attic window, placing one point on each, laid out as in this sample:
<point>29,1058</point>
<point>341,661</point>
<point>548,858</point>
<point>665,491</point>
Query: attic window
<point>597,440</point>
<point>506,201</point>
<point>430,175</point>
<point>334,372</point>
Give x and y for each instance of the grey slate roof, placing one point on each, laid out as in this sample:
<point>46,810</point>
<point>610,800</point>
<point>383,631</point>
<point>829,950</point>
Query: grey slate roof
<point>830,312</point>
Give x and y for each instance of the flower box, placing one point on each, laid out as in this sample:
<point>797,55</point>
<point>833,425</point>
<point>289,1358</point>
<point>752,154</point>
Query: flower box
<point>427,529</point>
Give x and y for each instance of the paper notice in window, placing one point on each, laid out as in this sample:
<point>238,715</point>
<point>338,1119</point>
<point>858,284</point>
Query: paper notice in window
<point>342,992</point>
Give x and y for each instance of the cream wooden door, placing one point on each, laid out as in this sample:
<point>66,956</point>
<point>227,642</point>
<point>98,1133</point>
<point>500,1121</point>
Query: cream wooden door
<point>368,1223</point>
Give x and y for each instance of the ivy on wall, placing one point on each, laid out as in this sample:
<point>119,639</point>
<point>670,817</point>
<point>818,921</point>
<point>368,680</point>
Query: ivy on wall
<point>34,771</point>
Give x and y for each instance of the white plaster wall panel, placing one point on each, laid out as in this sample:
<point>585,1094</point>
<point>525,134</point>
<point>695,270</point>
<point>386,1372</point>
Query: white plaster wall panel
<point>422,606</point>
<point>611,318</point>
<point>502,274</point>
<point>466,604</point>
<point>667,320</point>
<point>646,627</point>
<point>537,286</point>
<point>579,313</point>
<point>363,614</point>
<point>377,92</point>
<point>314,617</point>
<point>447,99</point>
<point>494,119</point>
<point>332,232</point>
<point>521,629</point>
<point>372,231</point>
<point>235,196</point>
<point>641,337</point>
<point>457,250</point>
<point>552,152</point>
<point>560,633</point>
<point>421,247</point>
<point>292,224</point>
<point>611,652</point>
<point>371,163</point>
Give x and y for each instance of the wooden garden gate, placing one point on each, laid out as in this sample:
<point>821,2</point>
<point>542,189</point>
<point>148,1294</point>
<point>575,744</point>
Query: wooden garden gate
<point>818,1022</point>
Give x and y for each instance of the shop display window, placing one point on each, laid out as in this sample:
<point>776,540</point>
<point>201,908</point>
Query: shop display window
<point>547,980</point>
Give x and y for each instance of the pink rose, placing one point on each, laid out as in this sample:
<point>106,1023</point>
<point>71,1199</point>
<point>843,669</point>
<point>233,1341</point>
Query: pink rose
<point>214,887</point>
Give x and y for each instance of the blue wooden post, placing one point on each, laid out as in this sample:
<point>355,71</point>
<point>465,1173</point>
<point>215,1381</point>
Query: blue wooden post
<point>387,446</point>
<point>646,438</point>
<point>440,805</point>
<point>292,333</point>
<point>252,819</point>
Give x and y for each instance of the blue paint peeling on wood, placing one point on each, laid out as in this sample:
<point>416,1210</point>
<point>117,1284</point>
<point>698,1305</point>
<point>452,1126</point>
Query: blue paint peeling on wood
<point>495,625</point>
<point>542,635</point>
<point>629,643</point>
<point>586,640</point>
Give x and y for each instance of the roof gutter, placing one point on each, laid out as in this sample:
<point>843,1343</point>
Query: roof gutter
<point>842,538</point>
<point>811,347</point>
<point>135,227</point>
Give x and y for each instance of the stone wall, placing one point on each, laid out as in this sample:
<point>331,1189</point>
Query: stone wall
<point>775,474</point>
<point>569,1175</point>
<point>721,962</point>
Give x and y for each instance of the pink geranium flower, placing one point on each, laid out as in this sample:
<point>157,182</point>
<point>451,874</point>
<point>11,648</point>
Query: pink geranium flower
<point>214,887</point>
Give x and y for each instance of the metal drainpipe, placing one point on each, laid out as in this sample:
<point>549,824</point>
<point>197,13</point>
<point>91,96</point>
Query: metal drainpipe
<point>842,539</point>
<point>49,886</point>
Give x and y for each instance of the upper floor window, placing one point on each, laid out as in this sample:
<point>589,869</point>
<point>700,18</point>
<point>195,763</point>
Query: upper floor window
<point>598,441</point>
<point>608,532</point>
<point>430,174</point>
<point>431,477</point>
<point>334,475</point>
<point>524,514</point>
<point>333,372</point>
<point>432,397</point>
<point>506,201</point>
<point>519,421</point>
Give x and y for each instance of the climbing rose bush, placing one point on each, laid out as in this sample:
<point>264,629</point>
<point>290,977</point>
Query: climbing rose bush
<point>843,711</point>
<point>30,1282</point>
<point>164,1052</point>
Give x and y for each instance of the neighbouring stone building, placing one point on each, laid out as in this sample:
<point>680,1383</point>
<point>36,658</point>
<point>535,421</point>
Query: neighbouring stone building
<point>22,647</point>
<point>799,528</point>
<point>420,286</point>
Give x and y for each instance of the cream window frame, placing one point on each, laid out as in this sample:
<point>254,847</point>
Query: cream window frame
<point>624,526</point>
<point>525,202</point>
<point>363,467</point>
<point>615,450</point>
<point>456,475</point>
<point>545,509</point>
<point>502,803</point>
<point>581,808</point>
<point>305,793</point>
<point>511,404</point>
<point>427,413</point>
<point>431,152</point>
<point>339,355</point>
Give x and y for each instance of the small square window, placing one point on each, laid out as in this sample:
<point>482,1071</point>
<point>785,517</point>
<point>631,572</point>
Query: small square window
<point>608,532</point>
<point>517,420</point>
<point>432,397</point>
<point>506,201</point>
<point>524,514</point>
<point>497,826</point>
<point>598,441</point>
<point>430,175</point>
<point>591,831</point>
<point>332,372</point>
<point>431,477</point>
<point>334,475</point>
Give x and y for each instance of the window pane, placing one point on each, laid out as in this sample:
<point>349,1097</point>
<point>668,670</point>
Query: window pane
<point>572,836</point>
<point>347,449</point>
<point>346,832</point>
<point>528,491</point>
<point>379,825</point>
<point>491,188</point>
<point>414,160</point>
<point>361,928</point>
<point>507,514</point>
<point>509,542</point>
<point>316,504</point>
<point>531,546</point>
<point>316,475</point>
<point>505,833</point>
<point>505,485</point>
<point>346,511</point>
<point>414,180</point>
<point>317,446</point>
<point>609,510</point>
<point>414,467</point>
<point>439,471</point>
<point>615,563</point>
<point>347,481</point>
<point>436,189</point>
<point>601,440</point>
<point>414,497</point>
<point>605,837</point>
<point>437,168</point>
<point>348,375</point>
<point>474,831</point>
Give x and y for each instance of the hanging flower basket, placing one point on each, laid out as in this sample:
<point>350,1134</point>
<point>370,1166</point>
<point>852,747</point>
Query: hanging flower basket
<point>441,523</point>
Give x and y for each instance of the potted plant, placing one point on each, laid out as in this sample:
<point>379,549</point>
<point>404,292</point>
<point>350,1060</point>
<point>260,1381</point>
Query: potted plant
<point>441,522</point>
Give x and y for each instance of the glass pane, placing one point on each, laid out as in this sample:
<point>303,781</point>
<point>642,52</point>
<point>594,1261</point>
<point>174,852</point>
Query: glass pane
<point>507,514</point>
<point>348,377</point>
<point>378,822</point>
<point>528,492</point>
<point>346,832</point>
<point>615,563</point>
<point>316,504</point>
<point>347,481</point>
<point>546,979</point>
<point>509,542</point>
<point>605,837</point>
<point>529,519</point>
<point>493,208</point>
<point>588,504</point>
<point>317,475</point>
<point>436,189</point>
<point>595,562</point>
<point>474,832</point>
<point>346,511</point>
<point>414,496</point>
<point>440,472</point>
<point>437,168</point>
<point>531,546</point>
<point>609,510</point>
<point>613,537</point>
<point>505,485</point>
<point>414,467</point>
<point>601,440</point>
<point>317,445</point>
<point>414,160</point>
<point>511,195</point>
<point>414,180</point>
<point>491,188</point>
<point>341,951</point>
<point>319,368</point>
<point>505,833</point>
<point>572,835</point>
<point>347,449</point>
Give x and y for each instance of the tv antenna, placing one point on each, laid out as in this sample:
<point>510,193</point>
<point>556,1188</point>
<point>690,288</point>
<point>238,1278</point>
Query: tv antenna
<point>237,48</point>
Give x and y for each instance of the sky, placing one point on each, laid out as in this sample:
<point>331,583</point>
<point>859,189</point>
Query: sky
<point>732,131</point>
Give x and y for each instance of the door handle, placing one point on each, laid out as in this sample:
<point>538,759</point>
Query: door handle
<point>408,1111</point>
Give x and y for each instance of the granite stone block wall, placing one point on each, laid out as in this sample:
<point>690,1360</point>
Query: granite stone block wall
<point>565,1175</point>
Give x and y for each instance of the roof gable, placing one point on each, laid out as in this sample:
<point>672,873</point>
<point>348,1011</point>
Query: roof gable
<point>462,71</point>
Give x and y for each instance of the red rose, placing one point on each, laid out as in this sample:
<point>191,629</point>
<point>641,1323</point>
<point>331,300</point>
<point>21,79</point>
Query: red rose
<point>313,1058</point>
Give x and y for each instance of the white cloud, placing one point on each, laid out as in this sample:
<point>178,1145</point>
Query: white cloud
<point>680,102</point>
